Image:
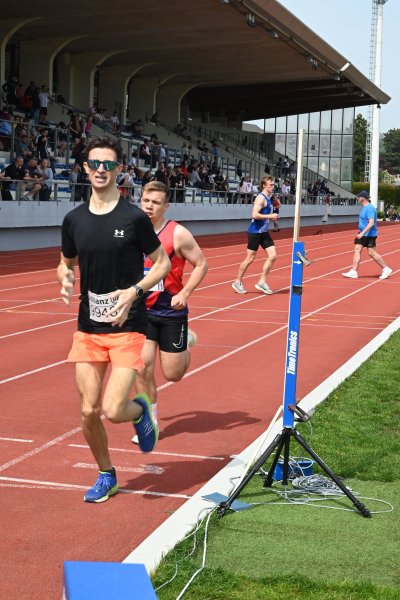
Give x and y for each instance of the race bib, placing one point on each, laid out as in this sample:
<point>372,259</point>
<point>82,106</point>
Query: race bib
<point>99,306</point>
<point>158,287</point>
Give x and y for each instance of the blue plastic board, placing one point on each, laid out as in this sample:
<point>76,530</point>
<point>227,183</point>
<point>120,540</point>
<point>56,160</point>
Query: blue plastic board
<point>217,498</point>
<point>102,581</point>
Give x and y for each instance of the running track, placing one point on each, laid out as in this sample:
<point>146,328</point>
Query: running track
<point>226,400</point>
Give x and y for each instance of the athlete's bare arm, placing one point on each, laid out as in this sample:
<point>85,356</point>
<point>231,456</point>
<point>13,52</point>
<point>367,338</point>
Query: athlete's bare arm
<point>160,268</point>
<point>186,246</point>
<point>66,277</point>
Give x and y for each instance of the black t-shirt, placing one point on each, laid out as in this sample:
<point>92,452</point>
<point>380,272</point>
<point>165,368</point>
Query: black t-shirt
<point>110,251</point>
<point>14,173</point>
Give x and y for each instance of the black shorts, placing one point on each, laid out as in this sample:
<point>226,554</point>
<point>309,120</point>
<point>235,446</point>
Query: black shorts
<point>169,332</point>
<point>366,242</point>
<point>255,240</point>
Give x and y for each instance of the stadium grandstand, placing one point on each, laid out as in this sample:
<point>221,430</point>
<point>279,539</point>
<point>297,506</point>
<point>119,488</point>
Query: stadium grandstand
<point>175,87</point>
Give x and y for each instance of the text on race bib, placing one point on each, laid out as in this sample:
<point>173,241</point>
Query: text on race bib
<point>100,305</point>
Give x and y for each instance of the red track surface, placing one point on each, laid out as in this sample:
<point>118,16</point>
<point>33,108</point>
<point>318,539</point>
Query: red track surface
<point>232,390</point>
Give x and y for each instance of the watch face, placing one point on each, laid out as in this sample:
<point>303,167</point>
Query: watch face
<point>139,291</point>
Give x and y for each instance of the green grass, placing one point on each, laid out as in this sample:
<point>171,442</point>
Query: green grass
<point>297,552</point>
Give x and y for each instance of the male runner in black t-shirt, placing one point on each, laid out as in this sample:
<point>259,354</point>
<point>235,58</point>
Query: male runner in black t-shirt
<point>109,236</point>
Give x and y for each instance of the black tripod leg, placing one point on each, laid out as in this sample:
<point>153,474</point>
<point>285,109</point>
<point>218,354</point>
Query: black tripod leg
<point>269,476</point>
<point>286,461</point>
<point>224,506</point>
<point>359,506</point>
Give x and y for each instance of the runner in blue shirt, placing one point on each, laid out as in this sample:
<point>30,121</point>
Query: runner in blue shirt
<point>366,238</point>
<point>258,235</point>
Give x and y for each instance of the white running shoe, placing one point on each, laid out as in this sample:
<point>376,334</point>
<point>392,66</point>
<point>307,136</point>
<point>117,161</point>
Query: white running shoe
<point>263,287</point>
<point>386,272</point>
<point>238,287</point>
<point>192,338</point>
<point>351,274</point>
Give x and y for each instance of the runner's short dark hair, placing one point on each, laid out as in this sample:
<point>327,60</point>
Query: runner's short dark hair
<point>105,142</point>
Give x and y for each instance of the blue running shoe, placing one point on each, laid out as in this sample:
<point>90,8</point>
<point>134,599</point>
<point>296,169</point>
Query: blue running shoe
<point>105,486</point>
<point>146,427</point>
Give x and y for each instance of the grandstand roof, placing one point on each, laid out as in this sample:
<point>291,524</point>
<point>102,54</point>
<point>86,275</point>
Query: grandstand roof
<point>249,59</point>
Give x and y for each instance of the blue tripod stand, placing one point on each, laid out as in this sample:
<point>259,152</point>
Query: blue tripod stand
<point>290,410</point>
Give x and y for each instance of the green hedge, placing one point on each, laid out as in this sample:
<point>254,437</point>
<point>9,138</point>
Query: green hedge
<point>390,194</point>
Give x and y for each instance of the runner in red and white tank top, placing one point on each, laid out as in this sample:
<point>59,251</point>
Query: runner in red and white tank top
<point>167,302</point>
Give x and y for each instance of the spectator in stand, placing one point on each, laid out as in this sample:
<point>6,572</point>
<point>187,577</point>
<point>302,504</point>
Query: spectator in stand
<point>177,185</point>
<point>75,126</point>
<point>225,187</point>
<point>161,174</point>
<point>114,121</point>
<point>132,162</point>
<point>245,190</point>
<point>9,88</point>
<point>285,191</point>
<point>286,166</point>
<point>216,151</point>
<point>137,128</point>
<point>44,102</point>
<point>79,148</point>
<point>144,153</point>
<point>88,127</point>
<point>163,153</point>
<point>15,171</point>
<point>239,171</point>
<point>32,176</point>
<point>62,138</point>
<point>23,148</point>
<point>195,179</point>
<point>5,128</point>
<point>46,180</point>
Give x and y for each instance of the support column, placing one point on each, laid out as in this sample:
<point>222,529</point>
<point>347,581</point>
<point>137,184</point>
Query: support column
<point>37,57</point>
<point>168,102</point>
<point>7,29</point>
<point>114,82</point>
<point>83,68</point>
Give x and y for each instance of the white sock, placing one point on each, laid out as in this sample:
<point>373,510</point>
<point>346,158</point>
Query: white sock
<point>154,412</point>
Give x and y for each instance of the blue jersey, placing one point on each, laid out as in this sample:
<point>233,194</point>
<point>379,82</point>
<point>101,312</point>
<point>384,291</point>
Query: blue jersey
<point>367,212</point>
<point>261,225</point>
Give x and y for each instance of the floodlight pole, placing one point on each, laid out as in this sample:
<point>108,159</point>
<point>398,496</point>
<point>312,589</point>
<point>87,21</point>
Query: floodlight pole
<point>282,441</point>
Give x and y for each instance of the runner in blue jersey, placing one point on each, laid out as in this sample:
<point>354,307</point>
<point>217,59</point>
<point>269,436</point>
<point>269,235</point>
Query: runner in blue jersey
<point>258,235</point>
<point>366,238</point>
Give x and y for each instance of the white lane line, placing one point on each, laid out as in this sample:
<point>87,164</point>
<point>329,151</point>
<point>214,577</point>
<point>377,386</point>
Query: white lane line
<point>70,486</point>
<point>6,439</point>
<point>26,286</point>
<point>2,337</point>
<point>61,362</point>
<point>39,449</point>
<point>155,452</point>
<point>152,469</point>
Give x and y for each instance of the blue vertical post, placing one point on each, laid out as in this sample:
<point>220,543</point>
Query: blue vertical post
<point>293,335</point>
<point>296,288</point>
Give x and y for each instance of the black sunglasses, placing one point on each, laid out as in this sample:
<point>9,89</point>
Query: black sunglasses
<point>109,165</point>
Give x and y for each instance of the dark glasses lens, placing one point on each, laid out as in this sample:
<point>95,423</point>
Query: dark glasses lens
<point>109,165</point>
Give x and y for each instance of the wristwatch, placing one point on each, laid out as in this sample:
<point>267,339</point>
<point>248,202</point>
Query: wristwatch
<point>139,291</point>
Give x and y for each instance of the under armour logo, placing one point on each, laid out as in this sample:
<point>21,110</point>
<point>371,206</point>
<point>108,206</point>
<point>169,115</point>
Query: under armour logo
<point>119,233</point>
